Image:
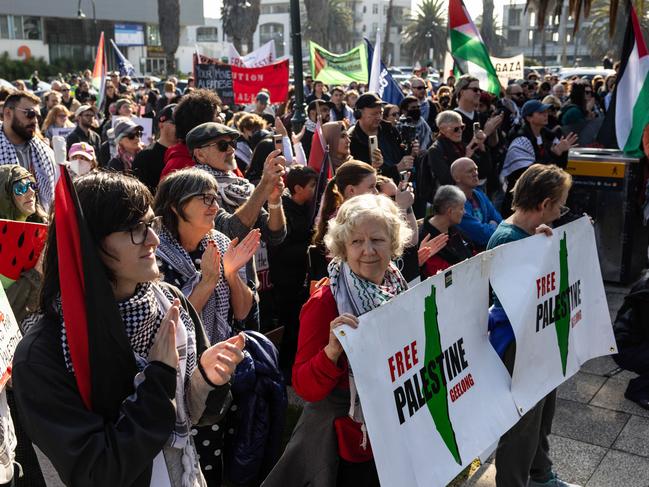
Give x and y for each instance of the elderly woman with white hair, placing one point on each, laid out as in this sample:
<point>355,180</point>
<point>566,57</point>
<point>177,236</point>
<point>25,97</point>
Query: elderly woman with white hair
<point>329,444</point>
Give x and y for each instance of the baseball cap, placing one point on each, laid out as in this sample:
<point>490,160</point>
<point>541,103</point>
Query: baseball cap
<point>533,106</point>
<point>200,135</point>
<point>83,108</point>
<point>119,103</point>
<point>167,113</point>
<point>82,149</point>
<point>369,100</point>
<point>125,127</point>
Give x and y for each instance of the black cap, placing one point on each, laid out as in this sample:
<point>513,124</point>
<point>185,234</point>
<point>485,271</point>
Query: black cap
<point>312,105</point>
<point>205,132</point>
<point>369,100</point>
<point>167,113</point>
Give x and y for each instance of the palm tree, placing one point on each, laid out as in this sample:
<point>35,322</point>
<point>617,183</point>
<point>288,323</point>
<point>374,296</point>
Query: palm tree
<point>598,40</point>
<point>388,23</point>
<point>428,30</point>
<point>240,19</point>
<point>169,25</point>
<point>576,7</point>
<point>487,29</point>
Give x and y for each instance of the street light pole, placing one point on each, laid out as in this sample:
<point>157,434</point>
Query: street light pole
<point>296,34</point>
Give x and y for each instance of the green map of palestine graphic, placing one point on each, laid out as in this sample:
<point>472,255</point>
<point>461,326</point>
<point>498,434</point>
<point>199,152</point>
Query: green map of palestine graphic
<point>438,404</point>
<point>563,324</point>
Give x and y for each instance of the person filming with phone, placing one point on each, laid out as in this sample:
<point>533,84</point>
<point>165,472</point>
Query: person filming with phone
<point>376,141</point>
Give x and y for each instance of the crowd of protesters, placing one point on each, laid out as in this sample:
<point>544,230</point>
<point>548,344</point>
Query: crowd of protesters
<point>221,227</point>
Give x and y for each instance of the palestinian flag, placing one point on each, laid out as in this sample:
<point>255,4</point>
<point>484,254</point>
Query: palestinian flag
<point>468,50</point>
<point>628,113</point>
<point>99,71</point>
<point>101,355</point>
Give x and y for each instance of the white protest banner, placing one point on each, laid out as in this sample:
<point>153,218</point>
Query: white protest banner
<point>435,394</point>
<point>9,337</point>
<point>62,131</point>
<point>556,304</point>
<point>263,56</point>
<point>509,68</point>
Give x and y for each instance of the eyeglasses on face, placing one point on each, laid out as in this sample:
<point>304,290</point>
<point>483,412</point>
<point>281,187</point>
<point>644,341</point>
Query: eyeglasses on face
<point>563,210</point>
<point>30,113</point>
<point>457,128</point>
<point>21,187</point>
<point>140,230</point>
<point>222,145</point>
<point>209,199</point>
<point>134,135</point>
<point>475,89</point>
<point>418,87</point>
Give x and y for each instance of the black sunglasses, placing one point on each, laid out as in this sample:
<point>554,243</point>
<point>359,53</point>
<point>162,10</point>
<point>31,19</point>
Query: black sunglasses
<point>418,87</point>
<point>29,112</point>
<point>140,230</point>
<point>222,145</point>
<point>134,135</point>
<point>458,129</point>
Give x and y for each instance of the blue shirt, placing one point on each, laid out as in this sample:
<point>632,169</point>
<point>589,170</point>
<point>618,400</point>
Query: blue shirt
<point>478,212</point>
<point>501,333</point>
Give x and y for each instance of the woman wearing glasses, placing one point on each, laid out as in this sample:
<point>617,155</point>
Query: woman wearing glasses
<point>149,385</point>
<point>128,138</point>
<point>540,196</point>
<point>208,268</point>
<point>57,117</point>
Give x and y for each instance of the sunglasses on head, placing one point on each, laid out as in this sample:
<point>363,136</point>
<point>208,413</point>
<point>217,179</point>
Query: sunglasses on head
<point>20,188</point>
<point>29,112</point>
<point>222,145</point>
<point>134,135</point>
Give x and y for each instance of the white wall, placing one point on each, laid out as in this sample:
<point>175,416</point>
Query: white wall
<point>37,48</point>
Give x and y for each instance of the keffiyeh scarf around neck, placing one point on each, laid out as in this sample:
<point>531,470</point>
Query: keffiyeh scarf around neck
<point>142,316</point>
<point>233,191</point>
<point>357,296</point>
<point>42,159</point>
<point>216,311</point>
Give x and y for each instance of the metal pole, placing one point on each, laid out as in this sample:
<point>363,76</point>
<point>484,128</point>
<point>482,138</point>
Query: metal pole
<point>298,115</point>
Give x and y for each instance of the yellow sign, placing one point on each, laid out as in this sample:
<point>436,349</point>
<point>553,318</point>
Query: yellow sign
<point>596,169</point>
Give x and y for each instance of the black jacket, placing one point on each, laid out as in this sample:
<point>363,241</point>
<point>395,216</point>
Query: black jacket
<point>85,449</point>
<point>631,325</point>
<point>148,165</point>
<point>390,144</point>
<point>288,260</point>
<point>78,135</point>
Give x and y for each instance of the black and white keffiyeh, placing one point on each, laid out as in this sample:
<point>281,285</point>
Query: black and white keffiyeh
<point>233,191</point>
<point>142,316</point>
<point>215,313</point>
<point>357,296</point>
<point>43,166</point>
<point>520,154</point>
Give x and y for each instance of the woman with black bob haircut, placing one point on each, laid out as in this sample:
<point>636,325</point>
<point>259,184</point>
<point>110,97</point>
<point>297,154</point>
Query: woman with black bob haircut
<point>135,428</point>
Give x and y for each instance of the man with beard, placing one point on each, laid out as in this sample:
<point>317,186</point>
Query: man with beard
<point>426,107</point>
<point>85,115</point>
<point>240,203</point>
<point>19,146</point>
<point>512,103</point>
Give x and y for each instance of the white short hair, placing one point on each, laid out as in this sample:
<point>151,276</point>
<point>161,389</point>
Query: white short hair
<point>448,116</point>
<point>359,209</point>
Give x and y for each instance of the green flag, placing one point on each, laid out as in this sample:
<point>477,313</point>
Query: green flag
<point>468,49</point>
<point>335,69</point>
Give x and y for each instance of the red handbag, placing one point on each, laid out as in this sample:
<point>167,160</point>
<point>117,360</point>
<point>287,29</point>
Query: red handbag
<point>351,436</point>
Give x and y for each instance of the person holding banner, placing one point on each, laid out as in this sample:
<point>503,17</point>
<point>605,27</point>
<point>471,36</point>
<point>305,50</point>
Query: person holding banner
<point>329,446</point>
<point>523,453</point>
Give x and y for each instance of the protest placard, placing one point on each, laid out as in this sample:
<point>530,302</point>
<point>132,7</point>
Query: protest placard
<point>339,69</point>
<point>216,77</point>
<point>22,244</point>
<point>435,394</point>
<point>9,337</point>
<point>509,68</point>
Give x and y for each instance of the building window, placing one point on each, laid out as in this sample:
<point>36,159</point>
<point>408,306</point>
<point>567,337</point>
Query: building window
<point>20,27</point>
<point>513,37</point>
<point>532,18</point>
<point>207,34</point>
<point>375,8</point>
<point>268,32</point>
<point>515,16</point>
<point>555,37</point>
<point>275,8</point>
<point>153,35</point>
<point>364,9</point>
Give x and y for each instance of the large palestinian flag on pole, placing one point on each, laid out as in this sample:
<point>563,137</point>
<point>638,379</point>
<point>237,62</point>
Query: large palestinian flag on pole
<point>468,50</point>
<point>628,112</point>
